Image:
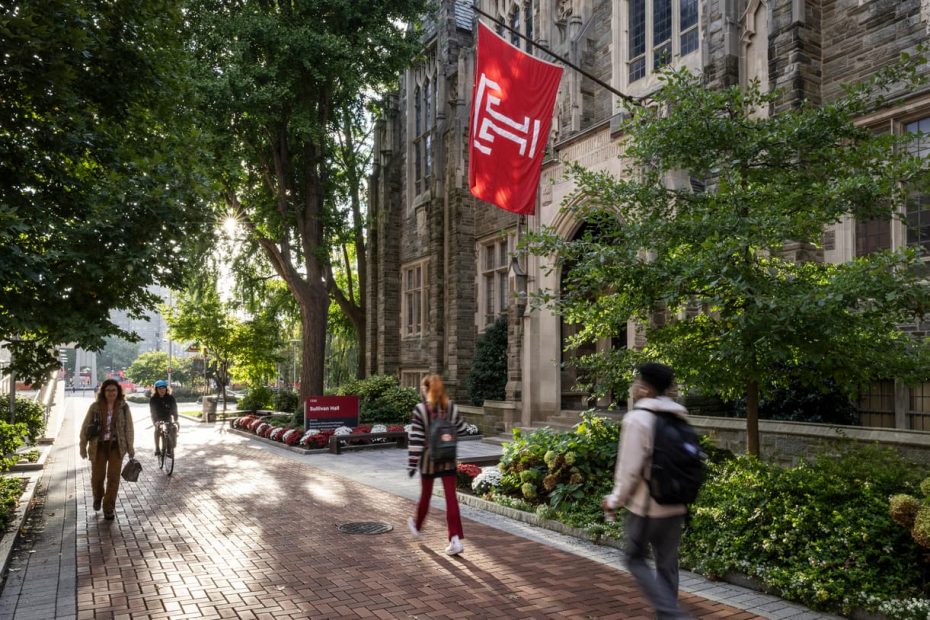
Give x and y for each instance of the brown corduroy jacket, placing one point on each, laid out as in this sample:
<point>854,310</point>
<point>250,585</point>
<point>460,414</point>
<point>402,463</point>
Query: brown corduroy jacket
<point>122,430</point>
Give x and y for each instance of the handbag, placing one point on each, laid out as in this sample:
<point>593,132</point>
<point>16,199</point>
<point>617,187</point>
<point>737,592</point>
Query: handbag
<point>93,429</point>
<point>131,470</point>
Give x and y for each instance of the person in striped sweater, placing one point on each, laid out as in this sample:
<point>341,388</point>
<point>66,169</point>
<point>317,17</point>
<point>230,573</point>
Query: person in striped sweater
<point>435,404</point>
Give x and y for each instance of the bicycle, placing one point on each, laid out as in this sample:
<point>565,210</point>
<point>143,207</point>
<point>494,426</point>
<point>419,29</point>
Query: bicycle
<point>168,432</point>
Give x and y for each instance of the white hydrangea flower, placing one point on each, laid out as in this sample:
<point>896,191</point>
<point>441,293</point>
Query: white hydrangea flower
<point>489,478</point>
<point>471,429</point>
<point>342,430</point>
<point>379,428</point>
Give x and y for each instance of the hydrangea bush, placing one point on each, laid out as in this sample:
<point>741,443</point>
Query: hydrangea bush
<point>821,533</point>
<point>487,481</point>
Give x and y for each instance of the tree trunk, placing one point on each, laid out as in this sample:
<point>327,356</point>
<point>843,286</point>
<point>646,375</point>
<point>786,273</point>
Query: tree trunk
<point>362,343</point>
<point>313,318</point>
<point>752,417</point>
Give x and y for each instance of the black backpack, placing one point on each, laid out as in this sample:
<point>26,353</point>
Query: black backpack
<point>677,471</point>
<point>443,438</point>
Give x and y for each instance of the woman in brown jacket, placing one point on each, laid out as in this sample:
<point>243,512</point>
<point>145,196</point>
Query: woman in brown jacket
<point>113,439</point>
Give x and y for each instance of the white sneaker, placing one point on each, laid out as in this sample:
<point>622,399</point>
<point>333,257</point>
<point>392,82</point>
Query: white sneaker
<point>455,546</point>
<point>412,525</point>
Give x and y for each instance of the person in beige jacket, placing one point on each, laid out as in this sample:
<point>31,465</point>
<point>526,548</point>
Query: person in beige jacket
<point>648,523</point>
<point>114,439</point>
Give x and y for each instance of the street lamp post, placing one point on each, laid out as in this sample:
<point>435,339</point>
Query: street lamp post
<point>294,369</point>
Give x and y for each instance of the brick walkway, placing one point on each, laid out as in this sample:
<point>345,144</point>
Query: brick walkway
<point>239,532</point>
<point>244,530</point>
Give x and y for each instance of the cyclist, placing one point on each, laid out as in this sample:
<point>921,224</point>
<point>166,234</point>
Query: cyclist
<point>164,408</point>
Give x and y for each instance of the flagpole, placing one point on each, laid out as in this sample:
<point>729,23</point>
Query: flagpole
<point>564,61</point>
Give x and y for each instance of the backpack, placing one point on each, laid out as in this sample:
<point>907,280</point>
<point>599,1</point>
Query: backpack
<point>442,439</point>
<point>677,470</point>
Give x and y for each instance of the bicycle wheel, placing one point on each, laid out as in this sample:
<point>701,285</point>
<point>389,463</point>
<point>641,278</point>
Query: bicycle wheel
<point>169,456</point>
<point>161,455</point>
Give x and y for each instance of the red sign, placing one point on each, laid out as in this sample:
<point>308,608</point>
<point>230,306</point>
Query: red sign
<point>330,412</point>
<point>511,111</point>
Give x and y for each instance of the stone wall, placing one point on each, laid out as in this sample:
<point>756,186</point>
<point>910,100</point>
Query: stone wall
<point>596,100</point>
<point>721,55</point>
<point>386,206</point>
<point>795,52</point>
<point>859,37</point>
<point>787,442</point>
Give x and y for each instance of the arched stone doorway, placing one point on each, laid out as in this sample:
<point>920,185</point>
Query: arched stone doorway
<point>572,397</point>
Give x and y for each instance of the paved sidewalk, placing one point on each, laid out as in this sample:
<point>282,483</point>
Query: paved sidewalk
<point>247,530</point>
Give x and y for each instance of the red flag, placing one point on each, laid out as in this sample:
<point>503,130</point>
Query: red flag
<point>511,111</point>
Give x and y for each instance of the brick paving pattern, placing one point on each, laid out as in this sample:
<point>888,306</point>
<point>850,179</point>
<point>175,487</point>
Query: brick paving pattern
<point>239,532</point>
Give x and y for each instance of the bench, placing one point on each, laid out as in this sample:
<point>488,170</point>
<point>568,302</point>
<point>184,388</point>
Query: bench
<point>399,439</point>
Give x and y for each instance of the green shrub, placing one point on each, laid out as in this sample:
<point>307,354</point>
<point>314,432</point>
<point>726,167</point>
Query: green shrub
<point>28,412</point>
<point>11,489</point>
<point>487,379</point>
<point>381,399</point>
<point>11,438</point>
<point>286,400</point>
<point>819,533</point>
<point>257,398</point>
<point>562,469</point>
<point>393,406</point>
<point>789,399</point>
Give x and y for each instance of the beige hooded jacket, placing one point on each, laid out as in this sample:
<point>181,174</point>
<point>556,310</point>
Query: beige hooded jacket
<point>634,459</point>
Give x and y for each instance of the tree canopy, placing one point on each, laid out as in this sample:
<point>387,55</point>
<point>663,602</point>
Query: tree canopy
<point>153,365</point>
<point>713,276</point>
<point>277,78</point>
<point>100,171</point>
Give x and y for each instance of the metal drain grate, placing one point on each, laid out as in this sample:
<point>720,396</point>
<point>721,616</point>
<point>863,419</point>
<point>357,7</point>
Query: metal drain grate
<point>365,527</point>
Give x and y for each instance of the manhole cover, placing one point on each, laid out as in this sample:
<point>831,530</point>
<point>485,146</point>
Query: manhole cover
<point>365,527</point>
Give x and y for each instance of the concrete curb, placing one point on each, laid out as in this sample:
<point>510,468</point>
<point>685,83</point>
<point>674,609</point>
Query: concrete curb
<point>38,465</point>
<point>531,519</point>
<point>19,517</point>
<point>276,444</point>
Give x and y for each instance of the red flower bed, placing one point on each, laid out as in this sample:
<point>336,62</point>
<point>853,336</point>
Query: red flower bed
<point>320,440</point>
<point>361,428</point>
<point>465,473</point>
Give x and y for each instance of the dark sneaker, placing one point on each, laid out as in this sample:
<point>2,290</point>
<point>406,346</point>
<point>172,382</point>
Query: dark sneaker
<point>157,453</point>
<point>109,516</point>
<point>97,503</point>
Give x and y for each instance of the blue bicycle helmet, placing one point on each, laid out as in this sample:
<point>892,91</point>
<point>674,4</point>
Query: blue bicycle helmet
<point>161,383</point>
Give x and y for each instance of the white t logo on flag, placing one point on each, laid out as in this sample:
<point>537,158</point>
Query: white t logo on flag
<point>488,97</point>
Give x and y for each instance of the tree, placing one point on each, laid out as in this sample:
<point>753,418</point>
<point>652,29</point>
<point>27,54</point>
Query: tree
<point>353,156</point>
<point>487,379</point>
<point>200,316</point>
<point>117,354</point>
<point>275,76</point>
<point>153,365</point>
<point>710,276</point>
<point>100,170</point>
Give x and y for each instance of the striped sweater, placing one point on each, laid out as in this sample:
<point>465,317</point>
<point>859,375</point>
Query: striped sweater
<point>418,456</point>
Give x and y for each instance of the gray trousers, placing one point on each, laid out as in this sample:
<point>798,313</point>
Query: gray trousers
<point>659,586</point>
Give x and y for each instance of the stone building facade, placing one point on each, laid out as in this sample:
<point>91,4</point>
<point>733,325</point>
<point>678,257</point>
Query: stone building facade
<point>439,258</point>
